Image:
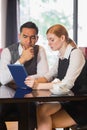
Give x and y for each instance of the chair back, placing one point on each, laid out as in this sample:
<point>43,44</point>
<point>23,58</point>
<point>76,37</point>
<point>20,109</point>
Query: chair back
<point>0,51</point>
<point>84,51</point>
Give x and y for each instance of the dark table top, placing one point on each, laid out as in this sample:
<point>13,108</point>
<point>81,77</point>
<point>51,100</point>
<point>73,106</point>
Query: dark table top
<point>24,96</point>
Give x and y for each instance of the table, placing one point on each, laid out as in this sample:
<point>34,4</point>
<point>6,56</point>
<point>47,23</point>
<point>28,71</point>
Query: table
<point>27,122</point>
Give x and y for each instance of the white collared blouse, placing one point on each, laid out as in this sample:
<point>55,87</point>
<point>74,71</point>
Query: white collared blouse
<point>76,64</point>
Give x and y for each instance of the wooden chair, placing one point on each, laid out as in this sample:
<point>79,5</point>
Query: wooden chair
<point>84,51</point>
<point>84,127</point>
<point>77,127</point>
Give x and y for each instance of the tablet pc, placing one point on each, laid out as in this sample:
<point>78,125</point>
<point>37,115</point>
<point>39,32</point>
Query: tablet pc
<point>19,74</point>
<point>20,93</point>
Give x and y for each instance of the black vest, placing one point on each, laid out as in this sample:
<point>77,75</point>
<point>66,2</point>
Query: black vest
<point>80,84</point>
<point>31,65</point>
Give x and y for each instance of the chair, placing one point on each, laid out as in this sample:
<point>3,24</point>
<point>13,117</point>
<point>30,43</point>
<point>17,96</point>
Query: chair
<point>20,115</point>
<point>84,51</point>
<point>77,127</point>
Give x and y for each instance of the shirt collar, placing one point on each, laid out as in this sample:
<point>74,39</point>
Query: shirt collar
<point>20,49</point>
<point>67,52</point>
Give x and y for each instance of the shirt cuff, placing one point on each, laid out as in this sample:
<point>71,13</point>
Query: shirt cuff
<point>59,88</point>
<point>17,62</point>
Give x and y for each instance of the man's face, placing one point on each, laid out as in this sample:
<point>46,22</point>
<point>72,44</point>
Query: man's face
<point>28,37</point>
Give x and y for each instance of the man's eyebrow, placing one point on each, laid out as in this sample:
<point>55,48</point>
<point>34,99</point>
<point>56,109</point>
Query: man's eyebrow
<point>29,36</point>
<point>25,35</point>
<point>33,36</point>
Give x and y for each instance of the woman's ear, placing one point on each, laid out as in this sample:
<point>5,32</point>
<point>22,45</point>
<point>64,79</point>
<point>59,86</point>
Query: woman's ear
<point>63,37</point>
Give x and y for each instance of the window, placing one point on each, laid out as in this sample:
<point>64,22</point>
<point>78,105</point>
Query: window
<point>82,23</point>
<point>3,7</point>
<point>46,13</point>
<point>0,24</point>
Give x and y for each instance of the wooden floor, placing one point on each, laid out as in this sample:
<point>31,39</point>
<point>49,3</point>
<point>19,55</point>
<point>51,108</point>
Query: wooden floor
<point>12,125</point>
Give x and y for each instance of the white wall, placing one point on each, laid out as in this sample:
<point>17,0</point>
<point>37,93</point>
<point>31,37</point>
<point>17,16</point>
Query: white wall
<point>3,9</point>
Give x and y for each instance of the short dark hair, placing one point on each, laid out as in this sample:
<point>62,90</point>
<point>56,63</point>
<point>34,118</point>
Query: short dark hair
<point>29,25</point>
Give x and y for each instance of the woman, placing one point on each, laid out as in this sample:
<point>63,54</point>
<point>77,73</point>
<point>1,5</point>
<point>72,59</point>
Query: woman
<point>68,71</point>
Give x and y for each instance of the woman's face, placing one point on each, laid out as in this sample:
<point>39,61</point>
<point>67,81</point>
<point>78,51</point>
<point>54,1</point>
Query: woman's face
<point>54,41</point>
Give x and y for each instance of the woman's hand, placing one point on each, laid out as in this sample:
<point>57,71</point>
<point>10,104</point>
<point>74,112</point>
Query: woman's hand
<point>29,81</point>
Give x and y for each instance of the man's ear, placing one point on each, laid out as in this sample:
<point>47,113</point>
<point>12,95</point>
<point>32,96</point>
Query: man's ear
<point>37,38</point>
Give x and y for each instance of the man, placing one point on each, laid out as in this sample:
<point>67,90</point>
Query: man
<point>25,52</point>
<point>32,56</point>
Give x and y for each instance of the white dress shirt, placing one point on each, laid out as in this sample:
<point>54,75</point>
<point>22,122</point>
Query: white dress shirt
<point>5,76</point>
<point>76,64</point>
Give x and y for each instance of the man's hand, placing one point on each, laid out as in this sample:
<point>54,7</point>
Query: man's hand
<point>27,54</point>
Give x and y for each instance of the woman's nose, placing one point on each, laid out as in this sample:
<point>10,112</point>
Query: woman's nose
<point>49,43</point>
